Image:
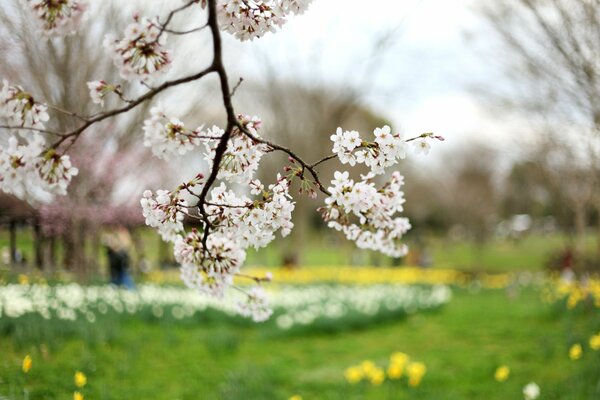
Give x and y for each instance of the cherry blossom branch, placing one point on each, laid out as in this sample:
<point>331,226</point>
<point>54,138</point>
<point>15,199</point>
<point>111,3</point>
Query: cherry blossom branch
<point>70,113</point>
<point>134,103</point>
<point>163,26</point>
<point>173,32</point>
<point>219,68</point>
<point>304,164</point>
<point>30,128</point>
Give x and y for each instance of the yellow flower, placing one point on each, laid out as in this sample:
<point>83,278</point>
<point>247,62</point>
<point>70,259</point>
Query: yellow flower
<point>353,374</point>
<point>395,371</point>
<point>377,376</point>
<point>415,372</point>
<point>23,279</point>
<point>77,396</point>
<point>80,379</point>
<point>367,366</point>
<point>595,342</point>
<point>575,352</point>
<point>502,373</point>
<point>27,363</point>
<point>399,358</point>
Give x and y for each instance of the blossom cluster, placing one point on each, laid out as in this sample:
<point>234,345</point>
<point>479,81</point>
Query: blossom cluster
<point>208,266</point>
<point>28,169</point>
<point>30,172</point>
<point>253,222</point>
<point>140,53</point>
<point>210,260</point>
<point>164,211</point>
<point>230,223</point>
<point>383,152</point>
<point>240,160</point>
<point>378,155</point>
<point>366,214</point>
<point>251,19</point>
<point>19,108</point>
<point>99,89</point>
<point>59,18</point>
<point>168,136</point>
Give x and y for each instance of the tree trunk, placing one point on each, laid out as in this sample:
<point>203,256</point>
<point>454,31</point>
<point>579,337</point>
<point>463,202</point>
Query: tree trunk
<point>68,250</point>
<point>580,218</point>
<point>12,234</point>
<point>38,241</point>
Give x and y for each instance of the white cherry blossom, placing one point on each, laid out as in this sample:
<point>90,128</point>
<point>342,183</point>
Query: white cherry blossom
<point>163,211</point>
<point>19,108</point>
<point>140,53</point>
<point>58,18</point>
<point>168,137</point>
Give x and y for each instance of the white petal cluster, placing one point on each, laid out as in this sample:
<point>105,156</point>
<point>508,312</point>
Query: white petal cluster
<point>243,154</point>
<point>250,19</point>
<point>99,89</point>
<point>140,53</point>
<point>163,211</point>
<point>294,6</point>
<point>367,215</point>
<point>383,152</point>
<point>168,136</point>
<point>59,18</point>
<point>421,146</point>
<point>17,107</point>
<point>256,305</point>
<point>236,222</point>
<point>56,171</point>
<point>253,223</point>
<point>31,173</point>
<point>208,269</point>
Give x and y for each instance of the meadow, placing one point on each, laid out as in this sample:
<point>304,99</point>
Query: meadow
<point>331,337</point>
<point>523,321</point>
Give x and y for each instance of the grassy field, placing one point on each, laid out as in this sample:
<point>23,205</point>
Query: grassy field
<point>462,344</point>
<point>498,255</point>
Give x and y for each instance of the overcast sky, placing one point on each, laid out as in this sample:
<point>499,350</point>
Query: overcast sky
<point>421,84</point>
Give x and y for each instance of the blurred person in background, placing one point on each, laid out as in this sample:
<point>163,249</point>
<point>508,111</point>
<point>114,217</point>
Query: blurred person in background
<point>118,243</point>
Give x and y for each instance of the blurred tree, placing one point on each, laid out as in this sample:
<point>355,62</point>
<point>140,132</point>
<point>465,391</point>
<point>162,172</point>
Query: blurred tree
<point>551,61</point>
<point>114,168</point>
<point>474,199</point>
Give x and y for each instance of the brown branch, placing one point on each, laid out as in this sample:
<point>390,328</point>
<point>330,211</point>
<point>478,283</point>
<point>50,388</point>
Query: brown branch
<point>70,113</point>
<point>31,129</point>
<point>184,32</point>
<point>237,85</point>
<point>163,26</point>
<point>322,160</point>
<point>218,67</point>
<point>306,166</point>
<point>134,103</point>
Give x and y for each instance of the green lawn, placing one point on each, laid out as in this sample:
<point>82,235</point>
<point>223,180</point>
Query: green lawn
<point>461,344</point>
<point>498,255</point>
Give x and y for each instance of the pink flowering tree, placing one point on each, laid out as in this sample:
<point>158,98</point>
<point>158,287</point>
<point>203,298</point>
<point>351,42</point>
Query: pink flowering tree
<point>233,210</point>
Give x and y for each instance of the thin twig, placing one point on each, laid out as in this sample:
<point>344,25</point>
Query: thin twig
<point>237,85</point>
<point>184,32</point>
<point>26,128</point>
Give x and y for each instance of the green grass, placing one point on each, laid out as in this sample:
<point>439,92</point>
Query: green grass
<point>498,255</point>
<point>461,344</point>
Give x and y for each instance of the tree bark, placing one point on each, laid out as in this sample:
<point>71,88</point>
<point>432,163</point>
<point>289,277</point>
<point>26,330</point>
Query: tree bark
<point>38,241</point>
<point>12,234</point>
